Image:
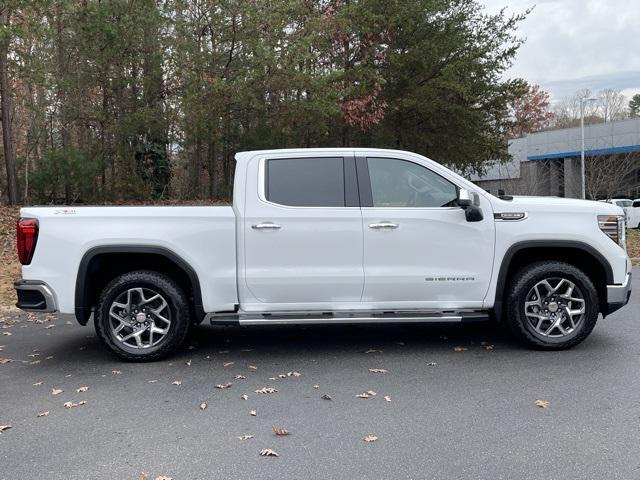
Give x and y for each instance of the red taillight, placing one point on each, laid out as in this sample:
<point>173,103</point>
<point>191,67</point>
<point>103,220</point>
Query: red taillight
<point>27,237</point>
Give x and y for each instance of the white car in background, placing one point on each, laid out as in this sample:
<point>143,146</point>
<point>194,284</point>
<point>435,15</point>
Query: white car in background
<point>631,210</point>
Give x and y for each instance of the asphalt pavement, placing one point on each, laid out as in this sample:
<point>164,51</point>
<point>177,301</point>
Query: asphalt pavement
<point>461,404</point>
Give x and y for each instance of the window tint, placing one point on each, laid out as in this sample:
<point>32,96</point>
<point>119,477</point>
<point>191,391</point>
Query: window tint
<point>400,183</point>
<point>306,182</point>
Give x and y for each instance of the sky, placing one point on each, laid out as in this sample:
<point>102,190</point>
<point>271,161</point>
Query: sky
<point>575,44</point>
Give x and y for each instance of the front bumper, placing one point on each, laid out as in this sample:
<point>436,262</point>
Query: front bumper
<point>618,295</point>
<point>35,296</point>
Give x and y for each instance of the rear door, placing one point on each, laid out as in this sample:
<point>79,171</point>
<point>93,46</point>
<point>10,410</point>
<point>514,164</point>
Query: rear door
<point>303,234</point>
<point>419,250</point>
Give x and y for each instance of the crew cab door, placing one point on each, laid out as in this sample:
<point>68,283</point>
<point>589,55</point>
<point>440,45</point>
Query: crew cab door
<point>302,234</point>
<point>419,249</point>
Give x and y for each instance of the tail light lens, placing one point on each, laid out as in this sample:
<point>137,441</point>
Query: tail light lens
<point>27,238</point>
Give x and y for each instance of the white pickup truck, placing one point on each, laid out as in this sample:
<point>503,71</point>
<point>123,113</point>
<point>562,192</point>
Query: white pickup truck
<point>329,236</point>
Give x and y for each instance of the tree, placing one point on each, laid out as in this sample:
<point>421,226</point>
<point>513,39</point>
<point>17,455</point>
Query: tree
<point>5,104</point>
<point>634,105</point>
<point>530,110</point>
<point>612,105</point>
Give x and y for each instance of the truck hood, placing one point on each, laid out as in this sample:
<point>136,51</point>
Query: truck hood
<point>558,204</point>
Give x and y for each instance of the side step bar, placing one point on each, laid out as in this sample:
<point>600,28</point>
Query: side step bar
<point>325,318</point>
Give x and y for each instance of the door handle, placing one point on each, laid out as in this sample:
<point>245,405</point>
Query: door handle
<point>266,226</point>
<point>383,225</point>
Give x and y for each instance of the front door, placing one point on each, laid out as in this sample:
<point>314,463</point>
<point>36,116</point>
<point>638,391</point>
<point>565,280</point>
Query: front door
<point>419,250</point>
<point>303,235</point>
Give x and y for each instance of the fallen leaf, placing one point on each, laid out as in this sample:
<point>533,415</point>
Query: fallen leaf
<point>253,413</point>
<point>267,452</point>
<point>223,386</point>
<point>281,432</point>
<point>266,390</point>
<point>34,362</point>
<point>177,382</point>
<point>245,437</point>
<point>116,372</point>
<point>282,375</point>
<point>377,370</point>
<point>487,347</point>
<point>32,355</point>
<point>43,414</point>
<point>188,363</point>
<point>326,397</point>
<point>164,477</point>
<point>152,381</point>
<point>72,405</point>
<point>372,393</point>
<point>294,374</point>
<point>370,438</point>
<point>363,395</point>
<point>245,396</point>
<point>252,367</point>
<point>48,327</point>
<point>37,384</point>
<point>459,349</point>
<point>5,427</point>
<point>432,364</point>
<point>4,361</point>
<point>56,391</point>
<point>203,405</point>
<point>7,334</point>
<point>373,350</point>
<point>82,389</point>
<point>227,364</point>
<point>387,398</point>
<point>316,386</point>
<point>542,403</point>
<point>400,343</point>
<point>240,377</point>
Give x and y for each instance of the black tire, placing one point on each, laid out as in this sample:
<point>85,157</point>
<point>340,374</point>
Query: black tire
<point>520,286</point>
<point>177,304</point>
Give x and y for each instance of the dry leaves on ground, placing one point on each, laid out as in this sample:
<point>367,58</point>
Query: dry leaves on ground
<point>377,370</point>
<point>43,414</point>
<point>37,384</point>
<point>267,452</point>
<point>252,367</point>
<point>326,397</point>
<point>203,405</point>
<point>373,350</point>
<point>542,403</point>
<point>5,427</point>
<point>4,361</point>
<point>56,391</point>
<point>222,386</point>
<point>164,477</point>
<point>82,389</point>
<point>253,413</point>
<point>72,404</point>
<point>244,396</point>
<point>387,398</point>
<point>266,390</point>
<point>370,438</point>
<point>245,437</point>
<point>459,349</point>
<point>240,377</point>
<point>177,382</point>
<point>116,372</point>
<point>227,364</point>
<point>367,394</point>
<point>281,432</point>
<point>432,364</point>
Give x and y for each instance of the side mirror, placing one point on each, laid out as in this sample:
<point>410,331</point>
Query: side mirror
<point>469,202</point>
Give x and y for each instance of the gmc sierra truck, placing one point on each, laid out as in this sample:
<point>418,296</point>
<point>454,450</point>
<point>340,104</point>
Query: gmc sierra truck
<point>325,236</point>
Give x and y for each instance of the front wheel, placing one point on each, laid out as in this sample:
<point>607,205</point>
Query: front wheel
<point>142,316</point>
<point>551,305</point>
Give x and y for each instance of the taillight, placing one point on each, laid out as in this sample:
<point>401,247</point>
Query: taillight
<point>27,237</point>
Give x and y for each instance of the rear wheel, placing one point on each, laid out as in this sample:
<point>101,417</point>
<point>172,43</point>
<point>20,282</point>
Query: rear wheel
<point>142,316</point>
<point>551,305</point>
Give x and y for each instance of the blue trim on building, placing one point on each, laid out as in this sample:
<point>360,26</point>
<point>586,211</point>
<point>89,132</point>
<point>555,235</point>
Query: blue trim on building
<point>587,153</point>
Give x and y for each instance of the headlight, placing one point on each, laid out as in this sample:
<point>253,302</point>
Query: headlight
<point>613,226</point>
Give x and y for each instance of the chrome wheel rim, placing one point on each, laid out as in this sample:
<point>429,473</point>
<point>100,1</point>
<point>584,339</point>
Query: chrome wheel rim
<point>139,318</point>
<point>554,307</point>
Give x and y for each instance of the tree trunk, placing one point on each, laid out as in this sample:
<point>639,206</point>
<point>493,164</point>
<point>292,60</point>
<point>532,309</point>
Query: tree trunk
<point>5,106</point>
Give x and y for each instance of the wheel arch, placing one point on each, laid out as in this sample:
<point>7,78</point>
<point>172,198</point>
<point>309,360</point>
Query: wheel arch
<point>101,264</point>
<point>579,254</point>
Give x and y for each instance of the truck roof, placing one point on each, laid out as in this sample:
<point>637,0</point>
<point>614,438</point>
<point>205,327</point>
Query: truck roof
<point>242,156</point>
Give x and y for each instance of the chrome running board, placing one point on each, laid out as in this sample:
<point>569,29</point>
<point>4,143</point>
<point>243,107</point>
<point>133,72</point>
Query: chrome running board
<point>326,318</point>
